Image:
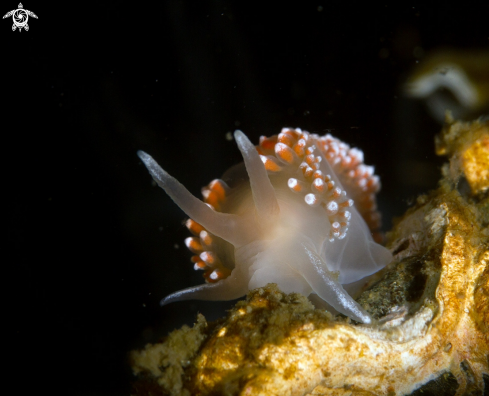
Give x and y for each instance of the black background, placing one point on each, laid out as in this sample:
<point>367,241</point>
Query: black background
<point>88,244</point>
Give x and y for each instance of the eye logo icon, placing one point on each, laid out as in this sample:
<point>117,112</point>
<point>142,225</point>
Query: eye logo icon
<point>20,16</point>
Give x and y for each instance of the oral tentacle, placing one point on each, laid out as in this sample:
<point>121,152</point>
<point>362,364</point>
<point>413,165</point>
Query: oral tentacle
<point>230,288</point>
<point>226,226</point>
<point>333,293</point>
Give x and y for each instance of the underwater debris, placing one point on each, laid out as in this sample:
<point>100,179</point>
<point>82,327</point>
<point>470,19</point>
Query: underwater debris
<point>452,79</point>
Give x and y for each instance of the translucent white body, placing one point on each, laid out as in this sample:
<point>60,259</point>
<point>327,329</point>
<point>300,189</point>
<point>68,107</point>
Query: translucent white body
<point>277,238</point>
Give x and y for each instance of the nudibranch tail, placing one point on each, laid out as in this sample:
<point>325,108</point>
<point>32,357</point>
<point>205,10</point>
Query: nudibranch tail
<point>227,226</point>
<point>264,198</point>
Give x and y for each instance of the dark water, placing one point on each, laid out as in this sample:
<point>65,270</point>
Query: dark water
<point>88,244</point>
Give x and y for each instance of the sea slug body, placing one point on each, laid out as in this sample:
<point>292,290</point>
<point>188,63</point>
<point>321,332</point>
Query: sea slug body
<point>286,216</point>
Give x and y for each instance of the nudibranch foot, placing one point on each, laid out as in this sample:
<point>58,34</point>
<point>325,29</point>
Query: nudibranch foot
<point>296,214</point>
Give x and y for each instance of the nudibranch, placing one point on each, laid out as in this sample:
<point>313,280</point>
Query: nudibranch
<point>286,216</point>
